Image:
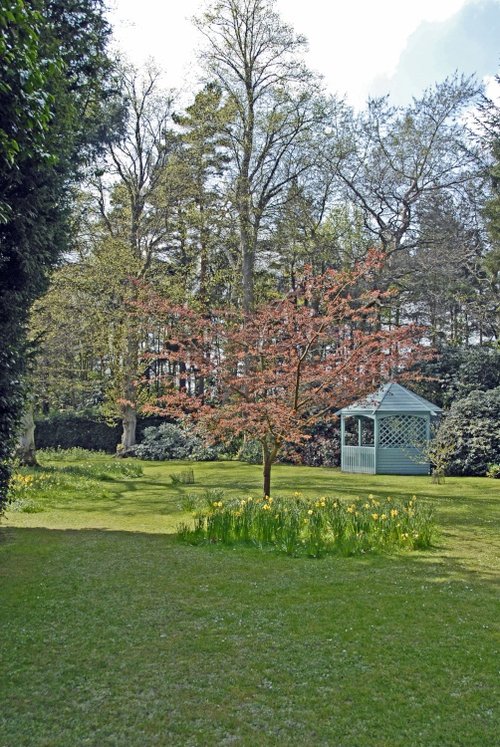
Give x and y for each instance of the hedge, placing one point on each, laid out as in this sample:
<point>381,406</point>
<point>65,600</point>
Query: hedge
<point>66,430</point>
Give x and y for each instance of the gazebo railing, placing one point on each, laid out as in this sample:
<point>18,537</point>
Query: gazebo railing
<point>358,459</point>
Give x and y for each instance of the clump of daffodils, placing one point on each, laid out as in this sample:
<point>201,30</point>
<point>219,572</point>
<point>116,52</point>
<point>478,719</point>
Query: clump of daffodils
<point>317,526</point>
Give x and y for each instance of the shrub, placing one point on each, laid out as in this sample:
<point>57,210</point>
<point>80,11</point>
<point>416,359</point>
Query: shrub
<point>322,449</point>
<point>250,452</point>
<point>456,372</point>
<point>493,471</point>
<point>169,441</point>
<point>70,430</point>
<point>473,425</point>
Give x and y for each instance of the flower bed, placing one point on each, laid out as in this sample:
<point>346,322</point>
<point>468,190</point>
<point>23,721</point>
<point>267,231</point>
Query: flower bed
<point>315,527</point>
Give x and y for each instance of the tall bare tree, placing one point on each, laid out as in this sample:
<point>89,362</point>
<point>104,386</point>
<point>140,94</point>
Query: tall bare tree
<point>257,61</point>
<point>127,201</point>
<point>390,159</point>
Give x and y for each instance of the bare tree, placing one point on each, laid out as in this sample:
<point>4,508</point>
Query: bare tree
<point>389,159</point>
<point>127,202</point>
<point>257,61</point>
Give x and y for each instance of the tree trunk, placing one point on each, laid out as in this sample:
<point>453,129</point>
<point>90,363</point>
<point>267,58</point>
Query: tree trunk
<point>247,249</point>
<point>267,476</point>
<point>129,424</point>
<point>128,407</point>
<point>26,451</point>
<point>269,454</point>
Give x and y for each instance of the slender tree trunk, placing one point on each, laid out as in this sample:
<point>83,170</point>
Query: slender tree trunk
<point>129,412</point>
<point>269,455</point>
<point>26,451</point>
<point>267,477</point>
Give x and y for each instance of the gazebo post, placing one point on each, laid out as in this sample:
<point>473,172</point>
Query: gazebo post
<point>360,428</point>
<point>375,442</point>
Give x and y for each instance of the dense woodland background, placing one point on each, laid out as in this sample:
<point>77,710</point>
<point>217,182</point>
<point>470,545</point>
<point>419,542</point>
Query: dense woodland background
<point>224,205</point>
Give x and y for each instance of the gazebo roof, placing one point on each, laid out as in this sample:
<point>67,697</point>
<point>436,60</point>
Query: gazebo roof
<point>391,398</point>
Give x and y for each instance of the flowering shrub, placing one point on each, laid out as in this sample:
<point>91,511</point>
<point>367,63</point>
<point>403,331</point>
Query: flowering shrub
<point>314,527</point>
<point>169,441</point>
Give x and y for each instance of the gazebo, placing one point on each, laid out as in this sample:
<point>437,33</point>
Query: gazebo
<point>384,432</point>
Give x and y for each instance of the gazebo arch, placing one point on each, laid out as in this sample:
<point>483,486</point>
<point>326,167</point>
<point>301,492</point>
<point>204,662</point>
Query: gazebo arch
<point>391,425</point>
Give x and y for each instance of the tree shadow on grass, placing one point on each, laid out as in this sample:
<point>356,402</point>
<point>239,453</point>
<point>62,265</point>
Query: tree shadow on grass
<point>439,565</point>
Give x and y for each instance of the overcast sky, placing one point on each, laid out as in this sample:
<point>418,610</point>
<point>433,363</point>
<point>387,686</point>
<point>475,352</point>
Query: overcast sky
<point>361,47</point>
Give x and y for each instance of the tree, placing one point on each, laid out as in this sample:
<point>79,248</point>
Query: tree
<point>490,121</point>
<point>290,364</point>
<point>391,158</point>
<point>133,219</point>
<point>256,60</point>
<point>455,372</point>
<point>193,180</point>
<point>54,73</point>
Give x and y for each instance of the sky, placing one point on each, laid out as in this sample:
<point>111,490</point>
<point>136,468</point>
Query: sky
<point>361,47</point>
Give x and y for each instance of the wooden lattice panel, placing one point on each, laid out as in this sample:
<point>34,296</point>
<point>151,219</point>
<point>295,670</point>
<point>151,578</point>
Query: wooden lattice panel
<point>402,430</point>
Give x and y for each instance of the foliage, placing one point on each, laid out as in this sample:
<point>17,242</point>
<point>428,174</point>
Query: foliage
<point>250,452</point>
<point>53,72</point>
<point>85,430</point>
<point>493,471</point>
<point>455,372</point>
<point>170,441</point>
<point>185,477</point>
<point>282,369</point>
<point>322,449</point>
<point>315,527</point>
<point>69,430</point>
<point>473,425</point>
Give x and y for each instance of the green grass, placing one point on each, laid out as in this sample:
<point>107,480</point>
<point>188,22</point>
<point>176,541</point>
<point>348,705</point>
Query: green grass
<point>127,637</point>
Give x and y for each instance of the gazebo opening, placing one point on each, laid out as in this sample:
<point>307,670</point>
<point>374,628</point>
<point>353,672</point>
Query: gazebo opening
<point>387,432</point>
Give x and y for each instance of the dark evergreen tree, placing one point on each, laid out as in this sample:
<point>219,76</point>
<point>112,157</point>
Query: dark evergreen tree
<point>55,86</point>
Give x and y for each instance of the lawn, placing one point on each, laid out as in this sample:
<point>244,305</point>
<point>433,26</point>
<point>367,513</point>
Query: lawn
<point>114,633</point>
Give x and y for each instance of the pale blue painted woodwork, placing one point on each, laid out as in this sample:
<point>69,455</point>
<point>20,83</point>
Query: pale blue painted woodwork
<point>401,419</point>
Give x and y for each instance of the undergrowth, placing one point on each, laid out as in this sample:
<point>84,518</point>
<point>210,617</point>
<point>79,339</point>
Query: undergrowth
<point>32,490</point>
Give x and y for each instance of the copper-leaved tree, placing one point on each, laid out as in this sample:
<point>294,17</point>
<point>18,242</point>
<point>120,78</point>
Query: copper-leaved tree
<point>273,374</point>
